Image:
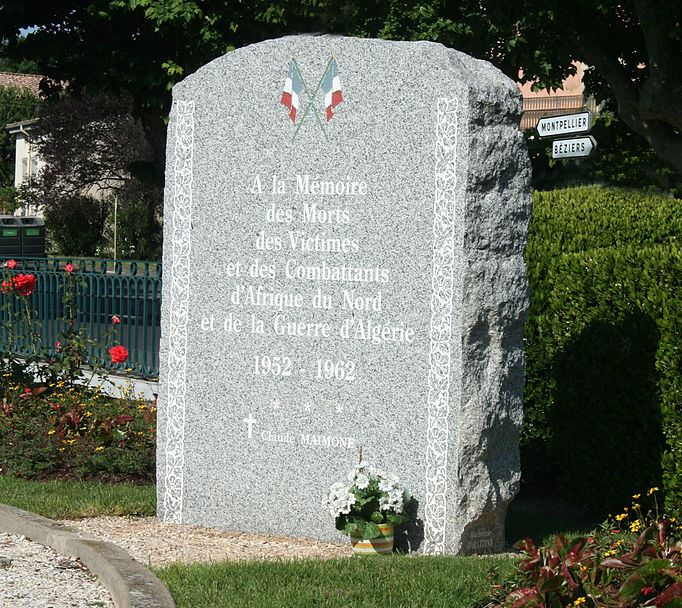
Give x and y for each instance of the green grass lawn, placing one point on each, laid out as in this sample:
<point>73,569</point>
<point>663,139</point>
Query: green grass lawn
<point>70,500</point>
<point>391,582</point>
<point>395,581</point>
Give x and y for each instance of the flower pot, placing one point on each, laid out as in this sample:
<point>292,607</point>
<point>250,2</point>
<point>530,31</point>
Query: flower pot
<point>381,545</point>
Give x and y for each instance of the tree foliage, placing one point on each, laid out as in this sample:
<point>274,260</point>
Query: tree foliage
<point>145,46</point>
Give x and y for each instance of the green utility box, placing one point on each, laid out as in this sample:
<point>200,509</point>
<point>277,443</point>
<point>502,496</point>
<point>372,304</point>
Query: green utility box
<point>10,236</point>
<point>22,237</point>
<point>32,237</point>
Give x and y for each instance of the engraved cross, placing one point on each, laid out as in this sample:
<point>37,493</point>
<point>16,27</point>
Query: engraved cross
<point>250,421</point>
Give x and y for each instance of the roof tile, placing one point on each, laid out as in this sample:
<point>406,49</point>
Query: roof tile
<point>28,82</point>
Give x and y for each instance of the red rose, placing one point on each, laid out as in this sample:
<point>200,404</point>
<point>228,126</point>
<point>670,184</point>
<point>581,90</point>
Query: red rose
<point>69,268</point>
<point>11,264</point>
<point>24,284</point>
<point>116,320</point>
<point>118,354</point>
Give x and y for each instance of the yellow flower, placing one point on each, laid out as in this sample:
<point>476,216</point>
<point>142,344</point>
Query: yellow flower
<point>621,517</point>
<point>51,432</point>
<point>651,491</point>
<point>580,601</point>
<point>636,505</point>
<point>609,553</point>
<point>61,449</point>
<point>70,441</point>
<point>636,496</point>
<point>99,448</point>
<point>583,568</point>
<point>635,526</point>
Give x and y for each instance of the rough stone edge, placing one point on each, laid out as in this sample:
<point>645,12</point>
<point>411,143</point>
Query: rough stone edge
<point>130,584</point>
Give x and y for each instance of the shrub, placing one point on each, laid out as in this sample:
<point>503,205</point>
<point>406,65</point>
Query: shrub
<point>75,225</point>
<point>603,388</point>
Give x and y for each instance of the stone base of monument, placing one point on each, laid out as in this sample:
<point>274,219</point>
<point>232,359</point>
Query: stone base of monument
<point>344,227</point>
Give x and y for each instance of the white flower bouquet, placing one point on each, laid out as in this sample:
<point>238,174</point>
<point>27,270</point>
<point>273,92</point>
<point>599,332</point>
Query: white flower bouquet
<point>369,499</point>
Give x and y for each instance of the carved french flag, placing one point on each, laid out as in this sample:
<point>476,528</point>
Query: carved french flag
<point>291,96</point>
<point>331,87</point>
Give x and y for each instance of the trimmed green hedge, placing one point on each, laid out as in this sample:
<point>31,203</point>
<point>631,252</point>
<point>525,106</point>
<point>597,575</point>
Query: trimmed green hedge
<point>603,403</point>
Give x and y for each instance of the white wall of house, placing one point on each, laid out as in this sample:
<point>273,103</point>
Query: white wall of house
<point>27,163</point>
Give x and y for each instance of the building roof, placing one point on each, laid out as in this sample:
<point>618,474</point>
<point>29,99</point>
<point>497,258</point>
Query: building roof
<point>22,125</point>
<point>26,82</point>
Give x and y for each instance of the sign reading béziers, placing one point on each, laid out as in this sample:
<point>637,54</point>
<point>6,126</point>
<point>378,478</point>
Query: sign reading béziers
<point>580,122</point>
<point>573,147</point>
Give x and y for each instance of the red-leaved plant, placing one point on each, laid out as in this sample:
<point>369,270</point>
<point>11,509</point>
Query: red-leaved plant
<point>632,560</point>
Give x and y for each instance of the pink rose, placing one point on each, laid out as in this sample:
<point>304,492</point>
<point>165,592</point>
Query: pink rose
<point>116,320</point>
<point>11,264</point>
<point>69,268</point>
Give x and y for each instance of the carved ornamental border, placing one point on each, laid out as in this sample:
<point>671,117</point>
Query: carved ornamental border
<point>176,371</point>
<point>440,354</point>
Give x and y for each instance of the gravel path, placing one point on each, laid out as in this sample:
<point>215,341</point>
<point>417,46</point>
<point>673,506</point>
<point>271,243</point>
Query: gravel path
<point>154,543</point>
<point>35,576</point>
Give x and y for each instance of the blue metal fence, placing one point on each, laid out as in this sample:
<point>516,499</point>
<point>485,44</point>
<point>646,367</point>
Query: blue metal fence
<point>131,290</point>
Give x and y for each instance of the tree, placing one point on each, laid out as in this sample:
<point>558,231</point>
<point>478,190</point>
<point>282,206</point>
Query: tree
<point>15,105</point>
<point>8,64</point>
<point>144,46</point>
<point>92,148</point>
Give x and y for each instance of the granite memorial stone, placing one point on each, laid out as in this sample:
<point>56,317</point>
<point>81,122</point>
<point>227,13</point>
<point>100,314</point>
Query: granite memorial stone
<point>345,222</point>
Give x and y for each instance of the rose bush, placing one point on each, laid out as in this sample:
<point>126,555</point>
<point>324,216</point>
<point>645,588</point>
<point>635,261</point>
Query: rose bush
<point>52,422</point>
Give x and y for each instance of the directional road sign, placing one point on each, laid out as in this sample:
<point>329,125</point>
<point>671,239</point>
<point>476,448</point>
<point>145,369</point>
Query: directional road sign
<point>581,122</point>
<point>574,147</point>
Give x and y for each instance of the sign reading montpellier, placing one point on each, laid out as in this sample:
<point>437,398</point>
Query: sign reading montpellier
<point>580,122</point>
<point>345,222</point>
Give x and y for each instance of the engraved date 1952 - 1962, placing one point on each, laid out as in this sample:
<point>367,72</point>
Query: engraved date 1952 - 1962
<point>282,366</point>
